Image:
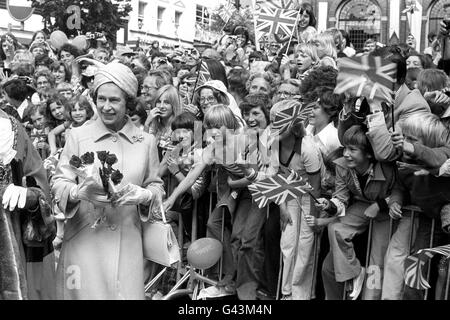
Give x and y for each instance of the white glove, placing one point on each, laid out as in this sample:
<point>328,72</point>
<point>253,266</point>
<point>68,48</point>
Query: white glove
<point>14,196</point>
<point>90,190</point>
<point>133,195</point>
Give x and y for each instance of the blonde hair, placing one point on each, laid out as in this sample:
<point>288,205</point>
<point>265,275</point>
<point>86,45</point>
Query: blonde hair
<point>426,127</point>
<point>219,116</point>
<point>325,45</point>
<point>308,49</point>
<point>174,100</point>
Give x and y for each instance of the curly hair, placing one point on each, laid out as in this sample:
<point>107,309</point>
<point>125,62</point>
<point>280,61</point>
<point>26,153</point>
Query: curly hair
<point>69,48</point>
<point>44,73</point>
<point>267,77</point>
<point>324,76</point>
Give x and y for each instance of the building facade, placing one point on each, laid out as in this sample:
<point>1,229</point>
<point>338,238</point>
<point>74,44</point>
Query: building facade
<point>388,21</point>
<point>171,22</point>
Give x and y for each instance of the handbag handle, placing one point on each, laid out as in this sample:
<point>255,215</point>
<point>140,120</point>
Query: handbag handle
<point>162,212</point>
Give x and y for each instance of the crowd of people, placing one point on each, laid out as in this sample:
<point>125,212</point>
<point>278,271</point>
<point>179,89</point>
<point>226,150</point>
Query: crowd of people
<point>65,237</point>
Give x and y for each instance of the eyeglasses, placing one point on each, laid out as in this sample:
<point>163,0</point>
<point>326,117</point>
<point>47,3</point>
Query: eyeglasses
<point>146,88</point>
<point>209,99</point>
<point>285,93</point>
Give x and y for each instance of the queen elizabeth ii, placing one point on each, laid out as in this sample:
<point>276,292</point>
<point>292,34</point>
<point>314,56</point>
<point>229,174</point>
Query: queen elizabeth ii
<point>102,252</point>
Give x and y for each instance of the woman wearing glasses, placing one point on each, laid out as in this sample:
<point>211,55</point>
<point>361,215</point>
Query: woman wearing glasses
<point>211,93</point>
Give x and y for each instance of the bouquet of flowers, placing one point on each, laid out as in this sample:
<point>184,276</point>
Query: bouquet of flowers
<point>106,175</point>
<point>83,166</point>
<point>109,176</point>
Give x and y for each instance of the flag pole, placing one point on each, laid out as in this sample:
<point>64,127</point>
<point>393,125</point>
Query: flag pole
<point>199,65</point>
<point>292,34</point>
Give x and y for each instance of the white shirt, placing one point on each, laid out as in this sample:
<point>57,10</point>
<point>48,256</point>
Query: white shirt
<point>327,140</point>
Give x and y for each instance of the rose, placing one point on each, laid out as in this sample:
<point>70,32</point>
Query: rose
<point>88,158</point>
<point>116,177</point>
<point>111,159</point>
<point>102,155</point>
<point>75,162</point>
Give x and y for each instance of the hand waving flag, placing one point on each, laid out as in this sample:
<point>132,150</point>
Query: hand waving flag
<point>279,189</point>
<point>414,266</point>
<point>367,76</point>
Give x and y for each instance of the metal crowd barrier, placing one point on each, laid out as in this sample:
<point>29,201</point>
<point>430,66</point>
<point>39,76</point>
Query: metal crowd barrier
<point>414,211</point>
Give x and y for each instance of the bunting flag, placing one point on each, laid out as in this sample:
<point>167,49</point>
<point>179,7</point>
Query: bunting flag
<point>279,189</point>
<point>367,76</point>
<point>415,266</point>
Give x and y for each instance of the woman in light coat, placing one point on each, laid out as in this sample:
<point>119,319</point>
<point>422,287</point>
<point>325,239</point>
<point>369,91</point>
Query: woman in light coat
<point>102,251</point>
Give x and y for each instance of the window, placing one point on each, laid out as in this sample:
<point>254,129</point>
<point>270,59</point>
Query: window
<point>141,9</point>
<point>437,15</point>
<point>160,17</point>
<point>202,16</point>
<point>362,20</point>
<point>177,18</point>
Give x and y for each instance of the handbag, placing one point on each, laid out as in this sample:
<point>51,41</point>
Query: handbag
<point>159,242</point>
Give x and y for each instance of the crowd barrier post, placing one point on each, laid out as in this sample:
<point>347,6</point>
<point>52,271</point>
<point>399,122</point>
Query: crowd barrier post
<point>433,225</point>
<point>447,283</point>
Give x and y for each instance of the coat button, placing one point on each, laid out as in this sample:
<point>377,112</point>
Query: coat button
<point>114,139</point>
<point>113,227</point>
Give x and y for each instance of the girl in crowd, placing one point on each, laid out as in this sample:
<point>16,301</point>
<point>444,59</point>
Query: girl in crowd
<point>306,29</point>
<point>158,123</point>
<point>80,111</point>
<point>326,49</point>
<point>61,72</point>
<point>138,115</point>
<point>67,54</point>
<point>56,113</point>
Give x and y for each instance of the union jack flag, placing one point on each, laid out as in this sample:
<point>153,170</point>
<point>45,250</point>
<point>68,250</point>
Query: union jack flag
<point>279,189</point>
<point>277,4</point>
<point>275,21</point>
<point>414,266</point>
<point>366,76</point>
<point>295,111</point>
<point>203,74</point>
<point>226,11</point>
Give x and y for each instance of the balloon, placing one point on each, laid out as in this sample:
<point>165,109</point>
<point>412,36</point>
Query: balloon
<point>204,253</point>
<point>80,42</point>
<point>58,39</point>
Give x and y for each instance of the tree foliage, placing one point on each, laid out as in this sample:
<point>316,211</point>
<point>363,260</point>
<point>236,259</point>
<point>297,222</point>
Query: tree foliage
<point>96,16</point>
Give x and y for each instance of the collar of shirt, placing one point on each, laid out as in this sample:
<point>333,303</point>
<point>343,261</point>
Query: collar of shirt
<point>129,130</point>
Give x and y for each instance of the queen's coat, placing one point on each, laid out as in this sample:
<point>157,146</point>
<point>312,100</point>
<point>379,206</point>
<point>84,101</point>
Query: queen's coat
<point>105,262</point>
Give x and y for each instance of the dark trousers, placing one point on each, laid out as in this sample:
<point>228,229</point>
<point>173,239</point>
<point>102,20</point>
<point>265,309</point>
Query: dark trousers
<point>271,267</point>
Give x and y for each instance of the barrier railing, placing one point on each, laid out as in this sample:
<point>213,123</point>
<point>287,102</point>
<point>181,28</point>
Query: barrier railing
<point>414,212</point>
